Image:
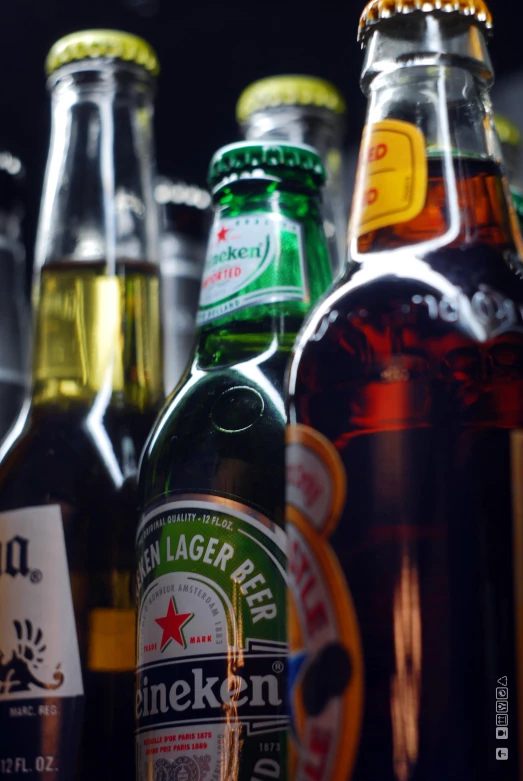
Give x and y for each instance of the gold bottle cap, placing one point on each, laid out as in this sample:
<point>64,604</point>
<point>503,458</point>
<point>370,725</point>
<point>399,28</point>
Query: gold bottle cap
<point>288,91</point>
<point>102,43</point>
<point>378,10</point>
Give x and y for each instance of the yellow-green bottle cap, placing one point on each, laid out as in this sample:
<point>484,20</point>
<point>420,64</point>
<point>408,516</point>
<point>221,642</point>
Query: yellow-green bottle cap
<point>289,91</point>
<point>112,44</point>
<point>508,132</point>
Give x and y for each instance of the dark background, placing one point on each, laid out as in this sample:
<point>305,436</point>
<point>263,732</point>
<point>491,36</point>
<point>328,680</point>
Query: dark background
<point>209,51</point>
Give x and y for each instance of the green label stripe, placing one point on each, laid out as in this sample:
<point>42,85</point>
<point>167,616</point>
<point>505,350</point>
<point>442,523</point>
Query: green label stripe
<point>257,297</point>
<point>212,652</point>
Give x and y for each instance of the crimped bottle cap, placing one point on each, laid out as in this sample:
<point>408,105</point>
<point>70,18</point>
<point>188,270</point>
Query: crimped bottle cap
<point>102,43</point>
<point>265,156</point>
<point>378,10</point>
<point>289,91</point>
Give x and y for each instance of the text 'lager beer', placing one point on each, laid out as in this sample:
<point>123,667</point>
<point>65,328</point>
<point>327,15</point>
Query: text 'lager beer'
<point>405,445</point>
<point>66,474</point>
<point>212,652</point>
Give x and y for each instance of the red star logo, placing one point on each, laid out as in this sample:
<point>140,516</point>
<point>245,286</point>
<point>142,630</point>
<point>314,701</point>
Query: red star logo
<point>172,625</point>
<point>222,234</point>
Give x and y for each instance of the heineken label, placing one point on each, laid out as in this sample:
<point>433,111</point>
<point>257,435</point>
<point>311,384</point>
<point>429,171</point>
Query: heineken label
<point>211,650</point>
<point>250,261</point>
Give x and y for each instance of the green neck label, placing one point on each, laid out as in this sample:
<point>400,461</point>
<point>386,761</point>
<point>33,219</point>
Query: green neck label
<point>212,652</point>
<point>250,261</point>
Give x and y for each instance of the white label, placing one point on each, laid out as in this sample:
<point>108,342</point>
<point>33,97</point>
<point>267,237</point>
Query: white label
<point>243,268</point>
<point>38,644</point>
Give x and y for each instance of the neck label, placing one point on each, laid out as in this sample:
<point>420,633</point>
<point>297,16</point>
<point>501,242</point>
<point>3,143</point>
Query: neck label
<point>251,261</point>
<point>391,185</point>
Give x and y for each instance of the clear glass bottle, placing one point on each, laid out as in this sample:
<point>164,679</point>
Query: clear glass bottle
<point>405,451</point>
<point>67,498</point>
<point>184,224</point>
<point>210,545</point>
<point>304,110</point>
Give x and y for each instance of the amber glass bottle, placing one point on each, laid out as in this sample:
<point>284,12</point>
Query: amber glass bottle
<point>405,452</point>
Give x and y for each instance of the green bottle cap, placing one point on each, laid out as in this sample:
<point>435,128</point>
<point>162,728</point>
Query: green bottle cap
<point>266,158</point>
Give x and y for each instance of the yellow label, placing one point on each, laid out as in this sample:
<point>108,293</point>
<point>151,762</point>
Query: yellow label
<point>391,185</point>
<point>111,640</point>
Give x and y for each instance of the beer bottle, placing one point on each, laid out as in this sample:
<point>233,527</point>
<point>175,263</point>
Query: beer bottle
<point>304,110</point>
<point>405,445</point>
<point>66,492</point>
<point>211,566</point>
<point>184,225</point>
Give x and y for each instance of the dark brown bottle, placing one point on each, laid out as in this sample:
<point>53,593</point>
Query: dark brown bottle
<point>405,446</point>
<point>67,472</point>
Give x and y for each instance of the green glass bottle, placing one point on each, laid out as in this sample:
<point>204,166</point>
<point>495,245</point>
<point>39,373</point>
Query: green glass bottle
<point>211,565</point>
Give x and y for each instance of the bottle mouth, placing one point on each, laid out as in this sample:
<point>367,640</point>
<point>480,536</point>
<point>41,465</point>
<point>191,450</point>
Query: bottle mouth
<point>265,160</point>
<point>101,75</point>
<point>425,40</point>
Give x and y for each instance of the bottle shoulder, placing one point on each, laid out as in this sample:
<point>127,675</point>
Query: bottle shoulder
<point>69,457</point>
<point>217,433</point>
<point>478,291</point>
<point>390,349</point>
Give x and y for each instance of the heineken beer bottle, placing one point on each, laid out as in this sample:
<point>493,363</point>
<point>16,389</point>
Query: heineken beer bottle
<point>66,471</point>
<point>212,654</point>
<point>405,449</point>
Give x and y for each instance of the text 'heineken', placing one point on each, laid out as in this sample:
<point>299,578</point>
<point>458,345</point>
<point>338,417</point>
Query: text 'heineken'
<point>67,472</point>
<point>405,445</point>
<point>211,700</point>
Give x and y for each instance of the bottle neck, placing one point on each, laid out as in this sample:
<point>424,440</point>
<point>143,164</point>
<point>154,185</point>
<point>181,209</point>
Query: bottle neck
<point>429,171</point>
<point>96,290</point>
<point>323,130</point>
<point>316,127</point>
<point>267,263</point>
<point>98,201</point>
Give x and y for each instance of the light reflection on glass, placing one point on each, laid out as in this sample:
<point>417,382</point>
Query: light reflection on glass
<point>406,683</point>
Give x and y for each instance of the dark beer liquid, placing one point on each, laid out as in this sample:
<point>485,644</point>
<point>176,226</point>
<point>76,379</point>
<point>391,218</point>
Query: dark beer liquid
<point>84,460</point>
<point>416,377</point>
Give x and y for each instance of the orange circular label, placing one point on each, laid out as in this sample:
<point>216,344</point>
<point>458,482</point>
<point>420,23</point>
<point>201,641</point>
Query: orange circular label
<point>326,659</point>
